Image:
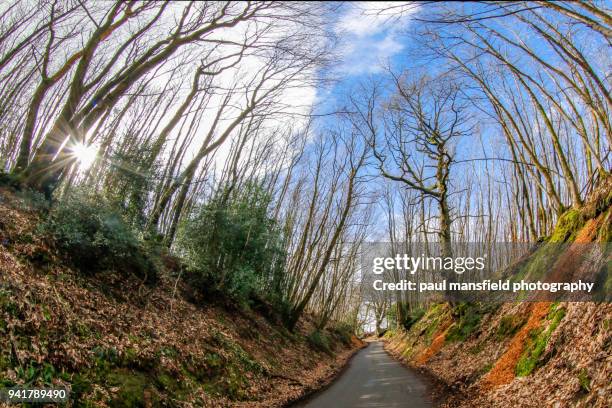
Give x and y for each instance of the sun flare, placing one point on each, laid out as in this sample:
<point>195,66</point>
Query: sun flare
<point>85,154</point>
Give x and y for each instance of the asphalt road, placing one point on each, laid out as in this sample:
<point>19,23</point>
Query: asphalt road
<point>372,380</point>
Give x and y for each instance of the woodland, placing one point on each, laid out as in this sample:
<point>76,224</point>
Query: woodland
<point>161,161</point>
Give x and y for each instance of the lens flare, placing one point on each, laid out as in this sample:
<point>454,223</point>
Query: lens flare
<point>86,155</point>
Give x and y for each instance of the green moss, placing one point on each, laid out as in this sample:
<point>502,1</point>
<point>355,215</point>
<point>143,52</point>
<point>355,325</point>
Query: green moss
<point>568,226</point>
<point>584,380</point>
<point>342,333</point>
<point>223,374</point>
<point>6,303</point>
<point>132,386</point>
<point>604,234</point>
<point>486,368</point>
<point>82,330</point>
<point>129,358</point>
<point>537,342</point>
<point>220,377</point>
<point>167,382</point>
<point>168,352</point>
<point>470,315</point>
<point>477,349</point>
<point>509,325</point>
<point>80,385</point>
<point>429,323</point>
<point>540,262</point>
<point>408,352</point>
<point>413,316</point>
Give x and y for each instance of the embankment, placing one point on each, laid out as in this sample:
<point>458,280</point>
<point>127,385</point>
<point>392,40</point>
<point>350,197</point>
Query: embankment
<point>529,354</point>
<point>115,341</point>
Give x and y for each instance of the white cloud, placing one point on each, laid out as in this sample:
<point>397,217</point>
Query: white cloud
<point>369,34</point>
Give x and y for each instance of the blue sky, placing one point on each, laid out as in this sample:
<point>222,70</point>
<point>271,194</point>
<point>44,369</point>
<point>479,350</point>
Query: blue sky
<point>368,40</point>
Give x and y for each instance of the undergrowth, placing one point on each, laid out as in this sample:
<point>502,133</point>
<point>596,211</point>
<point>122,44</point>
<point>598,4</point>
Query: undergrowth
<point>470,316</point>
<point>319,341</point>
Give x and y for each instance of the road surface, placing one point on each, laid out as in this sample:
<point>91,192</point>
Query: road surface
<point>372,380</point>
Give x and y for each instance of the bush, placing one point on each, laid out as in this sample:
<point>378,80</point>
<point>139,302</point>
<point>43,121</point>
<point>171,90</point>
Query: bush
<point>319,341</point>
<point>93,236</point>
<point>413,316</point>
<point>232,247</point>
<point>343,332</point>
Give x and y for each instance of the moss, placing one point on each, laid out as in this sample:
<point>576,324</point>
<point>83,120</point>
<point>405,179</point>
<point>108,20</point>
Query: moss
<point>82,330</point>
<point>132,386</point>
<point>223,374</point>
<point>568,226</point>
<point>80,385</point>
<point>584,380</point>
<point>167,382</point>
<point>604,234</point>
<point>342,333</point>
<point>540,262</point>
<point>477,349</point>
<point>509,325</point>
<point>6,303</point>
<point>408,352</point>
<point>167,352</point>
<point>129,358</point>
<point>413,317</point>
<point>470,315</point>
<point>486,368</point>
<point>429,323</point>
<point>537,342</point>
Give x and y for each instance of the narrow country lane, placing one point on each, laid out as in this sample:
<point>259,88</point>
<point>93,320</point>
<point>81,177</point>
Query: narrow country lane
<point>373,379</point>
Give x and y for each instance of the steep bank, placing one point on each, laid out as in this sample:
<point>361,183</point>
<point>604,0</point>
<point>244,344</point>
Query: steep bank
<point>118,342</point>
<point>530,354</point>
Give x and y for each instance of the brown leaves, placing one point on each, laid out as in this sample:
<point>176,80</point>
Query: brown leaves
<point>61,318</point>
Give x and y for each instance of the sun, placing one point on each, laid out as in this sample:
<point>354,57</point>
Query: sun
<point>85,154</point>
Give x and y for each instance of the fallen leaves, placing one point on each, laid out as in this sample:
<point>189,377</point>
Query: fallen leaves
<point>58,316</point>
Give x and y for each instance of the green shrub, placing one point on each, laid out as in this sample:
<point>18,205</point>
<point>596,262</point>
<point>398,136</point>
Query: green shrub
<point>9,180</point>
<point>319,341</point>
<point>413,316</point>
<point>343,332</point>
<point>131,184</point>
<point>233,247</point>
<point>93,236</point>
